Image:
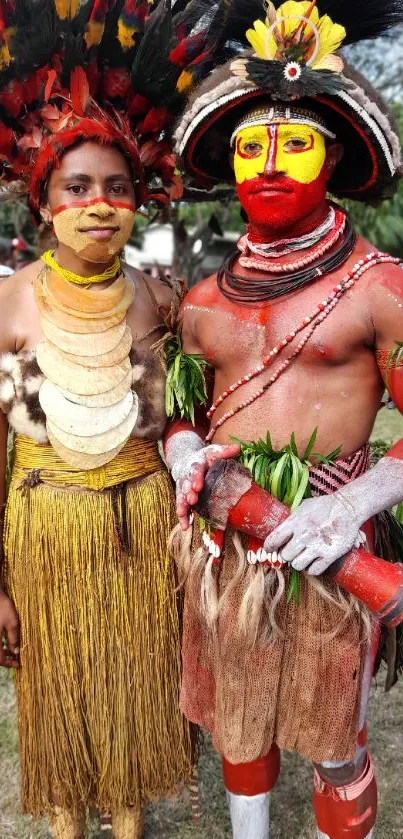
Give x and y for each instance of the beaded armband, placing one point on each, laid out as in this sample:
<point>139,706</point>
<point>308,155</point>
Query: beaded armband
<point>390,359</point>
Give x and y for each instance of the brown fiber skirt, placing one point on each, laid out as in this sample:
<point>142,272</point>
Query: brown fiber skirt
<point>301,690</point>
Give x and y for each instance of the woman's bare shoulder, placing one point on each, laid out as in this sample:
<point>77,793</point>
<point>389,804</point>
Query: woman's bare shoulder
<point>16,298</point>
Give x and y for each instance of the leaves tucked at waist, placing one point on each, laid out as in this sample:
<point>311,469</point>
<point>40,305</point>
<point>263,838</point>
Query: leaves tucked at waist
<point>285,474</point>
<point>186,383</point>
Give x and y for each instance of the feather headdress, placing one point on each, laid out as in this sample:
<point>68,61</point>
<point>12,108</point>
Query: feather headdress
<point>95,69</point>
<point>288,51</point>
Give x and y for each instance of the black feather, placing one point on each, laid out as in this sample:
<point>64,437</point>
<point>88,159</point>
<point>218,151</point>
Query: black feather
<point>269,75</point>
<point>36,34</point>
<point>153,75</point>
<point>198,14</point>
<point>362,19</point>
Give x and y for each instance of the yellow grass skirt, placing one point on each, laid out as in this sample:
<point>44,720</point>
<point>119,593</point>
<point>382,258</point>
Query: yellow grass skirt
<point>98,686</point>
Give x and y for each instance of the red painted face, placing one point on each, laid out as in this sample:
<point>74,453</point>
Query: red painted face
<point>281,174</point>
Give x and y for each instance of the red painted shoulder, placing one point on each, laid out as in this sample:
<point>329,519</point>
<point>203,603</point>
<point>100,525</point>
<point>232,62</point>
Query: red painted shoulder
<point>204,293</point>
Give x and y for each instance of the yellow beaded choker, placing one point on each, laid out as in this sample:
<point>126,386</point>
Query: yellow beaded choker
<point>70,277</point>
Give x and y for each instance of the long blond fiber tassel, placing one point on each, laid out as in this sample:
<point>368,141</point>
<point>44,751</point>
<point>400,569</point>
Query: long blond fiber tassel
<point>66,826</point>
<point>128,823</point>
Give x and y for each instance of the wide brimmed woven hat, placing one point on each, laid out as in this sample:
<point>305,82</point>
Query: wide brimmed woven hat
<point>289,73</point>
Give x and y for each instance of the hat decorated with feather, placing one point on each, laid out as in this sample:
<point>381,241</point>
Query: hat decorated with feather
<point>282,62</point>
<point>102,70</point>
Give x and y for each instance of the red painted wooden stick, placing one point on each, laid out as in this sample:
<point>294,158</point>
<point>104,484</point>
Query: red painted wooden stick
<point>374,581</point>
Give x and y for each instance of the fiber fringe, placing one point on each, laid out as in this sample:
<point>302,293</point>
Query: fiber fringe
<point>263,590</point>
<point>100,648</point>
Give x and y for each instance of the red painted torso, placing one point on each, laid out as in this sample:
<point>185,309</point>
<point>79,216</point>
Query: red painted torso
<point>335,383</point>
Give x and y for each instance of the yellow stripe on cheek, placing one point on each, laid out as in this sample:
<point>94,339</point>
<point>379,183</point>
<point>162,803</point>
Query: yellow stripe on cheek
<point>306,165</point>
<point>246,166</point>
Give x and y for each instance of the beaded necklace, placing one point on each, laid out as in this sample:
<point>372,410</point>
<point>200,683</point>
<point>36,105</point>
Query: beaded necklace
<point>313,320</point>
<point>267,260</point>
<point>282,246</point>
<point>70,277</point>
<point>247,291</point>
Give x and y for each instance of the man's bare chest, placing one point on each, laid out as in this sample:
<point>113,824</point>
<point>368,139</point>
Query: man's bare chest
<point>233,339</point>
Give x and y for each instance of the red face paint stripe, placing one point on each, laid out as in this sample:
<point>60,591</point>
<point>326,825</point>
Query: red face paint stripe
<point>242,154</point>
<point>396,451</point>
<point>272,131</point>
<point>120,204</point>
<point>306,148</point>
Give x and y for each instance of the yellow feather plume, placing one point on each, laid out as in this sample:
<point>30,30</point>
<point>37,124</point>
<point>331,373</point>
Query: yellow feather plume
<point>297,22</point>
<point>126,35</point>
<point>94,33</point>
<point>67,9</point>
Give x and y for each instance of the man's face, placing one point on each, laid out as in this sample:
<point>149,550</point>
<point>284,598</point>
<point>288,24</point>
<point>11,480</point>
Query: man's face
<point>91,201</point>
<point>281,173</point>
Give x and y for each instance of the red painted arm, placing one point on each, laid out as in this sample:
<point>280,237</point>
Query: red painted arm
<point>394,384</point>
<point>377,583</point>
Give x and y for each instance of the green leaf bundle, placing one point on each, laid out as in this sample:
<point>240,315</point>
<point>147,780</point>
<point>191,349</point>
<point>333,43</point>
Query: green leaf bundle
<point>186,381</point>
<point>285,474</point>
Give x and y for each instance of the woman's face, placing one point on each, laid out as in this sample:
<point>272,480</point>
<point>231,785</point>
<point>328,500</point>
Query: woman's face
<point>91,202</point>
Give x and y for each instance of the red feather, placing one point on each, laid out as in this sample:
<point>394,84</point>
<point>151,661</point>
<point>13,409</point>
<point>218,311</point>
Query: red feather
<point>79,91</point>
<point>137,105</point>
<point>115,83</point>
<point>155,120</point>
<point>187,49</point>
<point>34,86</point>
<point>52,76</point>
<point>135,12</point>
<point>6,139</point>
<point>148,153</point>
<point>176,190</point>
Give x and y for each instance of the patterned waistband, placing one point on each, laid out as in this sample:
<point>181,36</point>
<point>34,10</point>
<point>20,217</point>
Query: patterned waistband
<point>35,463</point>
<point>328,477</point>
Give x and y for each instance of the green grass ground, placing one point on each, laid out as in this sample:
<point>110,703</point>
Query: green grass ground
<point>291,807</point>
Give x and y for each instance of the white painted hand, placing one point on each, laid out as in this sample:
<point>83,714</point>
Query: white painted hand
<point>189,460</point>
<point>318,533</point>
<point>323,529</point>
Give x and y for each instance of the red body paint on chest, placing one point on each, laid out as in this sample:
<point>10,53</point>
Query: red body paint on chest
<point>207,295</point>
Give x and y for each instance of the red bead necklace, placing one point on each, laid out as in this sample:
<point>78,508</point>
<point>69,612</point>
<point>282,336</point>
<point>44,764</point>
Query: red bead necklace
<point>317,316</point>
<point>254,258</point>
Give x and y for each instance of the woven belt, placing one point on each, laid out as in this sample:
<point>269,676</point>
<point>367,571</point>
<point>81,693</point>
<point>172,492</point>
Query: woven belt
<point>34,460</point>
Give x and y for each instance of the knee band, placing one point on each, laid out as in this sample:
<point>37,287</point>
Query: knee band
<point>346,812</point>
<point>254,778</point>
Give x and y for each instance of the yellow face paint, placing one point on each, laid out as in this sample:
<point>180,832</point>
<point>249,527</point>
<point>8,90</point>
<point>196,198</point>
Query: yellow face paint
<point>296,151</point>
<point>96,231</point>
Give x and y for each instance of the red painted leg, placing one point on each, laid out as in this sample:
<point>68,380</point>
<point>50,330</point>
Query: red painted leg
<point>248,793</point>
<point>346,812</point>
<point>253,778</point>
